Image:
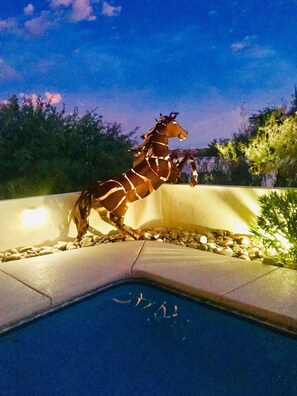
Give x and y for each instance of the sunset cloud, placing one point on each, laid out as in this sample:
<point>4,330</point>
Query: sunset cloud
<point>9,24</point>
<point>109,10</point>
<point>48,97</point>
<point>7,72</point>
<point>58,3</point>
<point>80,10</point>
<point>53,98</point>
<point>29,9</point>
<point>37,26</point>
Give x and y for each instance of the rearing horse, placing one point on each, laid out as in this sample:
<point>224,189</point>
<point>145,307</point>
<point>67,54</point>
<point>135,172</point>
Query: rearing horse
<point>153,165</point>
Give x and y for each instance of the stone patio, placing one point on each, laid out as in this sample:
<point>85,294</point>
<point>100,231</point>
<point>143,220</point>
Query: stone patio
<point>37,285</point>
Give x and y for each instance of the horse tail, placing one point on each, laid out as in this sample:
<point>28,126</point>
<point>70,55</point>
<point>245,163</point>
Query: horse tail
<point>82,209</point>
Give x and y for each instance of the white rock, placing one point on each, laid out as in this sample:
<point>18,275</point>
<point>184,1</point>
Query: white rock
<point>245,257</point>
<point>61,245</point>
<point>203,239</point>
<point>43,252</point>
<point>227,252</point>
<point>86,242</point>
<point>71,246</point>
<point>25,249</point>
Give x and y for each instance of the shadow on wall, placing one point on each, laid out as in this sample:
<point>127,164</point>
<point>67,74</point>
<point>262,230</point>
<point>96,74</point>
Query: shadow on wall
<point>60,215</point>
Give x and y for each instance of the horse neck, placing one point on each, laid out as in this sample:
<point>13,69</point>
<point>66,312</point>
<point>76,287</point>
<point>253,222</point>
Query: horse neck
<point>159,144</point>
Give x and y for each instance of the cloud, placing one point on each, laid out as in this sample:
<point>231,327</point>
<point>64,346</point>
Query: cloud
<point>243,44</point>
<point>49,97</point>
<point>212,13</point>
<point>53,98</point>
<point>29,9</point>
<point>37,26</point>
<point>10,25</point>
<point>109,10</point>
<point>81,10</point>
<point>62,3</point>
<point>7,72</point>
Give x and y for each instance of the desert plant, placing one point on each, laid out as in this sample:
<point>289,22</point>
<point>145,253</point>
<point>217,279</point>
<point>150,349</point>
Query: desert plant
<point>276,226</point>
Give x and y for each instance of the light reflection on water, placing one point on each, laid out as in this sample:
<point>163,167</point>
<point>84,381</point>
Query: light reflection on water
<point>164,313</point>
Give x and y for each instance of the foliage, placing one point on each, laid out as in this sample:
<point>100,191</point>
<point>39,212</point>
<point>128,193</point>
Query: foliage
<point>274,150</point>
<point>267,145</point>
<point>46,151</point>
<point>276,226</point>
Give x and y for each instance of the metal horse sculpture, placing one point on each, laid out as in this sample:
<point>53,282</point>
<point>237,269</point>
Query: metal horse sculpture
<point>153,165</point>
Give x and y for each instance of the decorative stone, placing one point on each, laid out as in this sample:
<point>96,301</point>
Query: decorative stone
<point>203,247</point>
<point>243,240</point>
<point>71,246</point>
<point>220,233</point>
<point>269,261</point>
<point>244,257</point>
<point>203,239</point>
<point>15,256</point>
<point>160,229</point>
<point>148,235</point>
<point>61,245</point>
<point>173,234</point>
<point>227,242</point>
<point>87,241</point>
<point>219,242</point>
<point>24,249</point>
<point>193,245</point>
<point>43,252</point>
<point>12,251</point>
<point>227,252</point>
<point>129,238</point>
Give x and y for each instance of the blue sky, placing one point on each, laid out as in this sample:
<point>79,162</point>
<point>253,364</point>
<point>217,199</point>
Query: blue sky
<point>136,58</point>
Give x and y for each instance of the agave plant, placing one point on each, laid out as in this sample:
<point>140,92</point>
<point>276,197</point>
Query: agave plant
<point>276,226</point>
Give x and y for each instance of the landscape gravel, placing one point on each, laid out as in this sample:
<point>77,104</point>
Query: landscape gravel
<point>215,241</point>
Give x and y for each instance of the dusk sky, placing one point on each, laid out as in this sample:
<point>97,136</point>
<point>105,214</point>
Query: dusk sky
<point>134,59</point>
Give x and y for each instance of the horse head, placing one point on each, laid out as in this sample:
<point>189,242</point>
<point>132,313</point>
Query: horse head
<point>173,129</point>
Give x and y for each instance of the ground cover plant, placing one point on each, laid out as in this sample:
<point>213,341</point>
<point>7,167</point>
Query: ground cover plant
<point>276,226</point>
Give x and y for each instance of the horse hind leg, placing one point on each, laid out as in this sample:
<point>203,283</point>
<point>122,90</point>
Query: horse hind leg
<point>116,221</point>
<point>119,223</point>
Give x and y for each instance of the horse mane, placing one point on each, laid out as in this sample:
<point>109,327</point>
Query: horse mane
<point>141,151</point>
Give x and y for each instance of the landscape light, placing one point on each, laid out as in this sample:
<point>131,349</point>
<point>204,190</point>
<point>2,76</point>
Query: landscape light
<point>34,217</point>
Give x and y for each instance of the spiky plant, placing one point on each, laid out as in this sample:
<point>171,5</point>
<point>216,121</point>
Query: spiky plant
<point>276,226</point>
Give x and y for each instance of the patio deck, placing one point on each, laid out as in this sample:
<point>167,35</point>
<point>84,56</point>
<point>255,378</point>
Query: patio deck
<point>35,286</point>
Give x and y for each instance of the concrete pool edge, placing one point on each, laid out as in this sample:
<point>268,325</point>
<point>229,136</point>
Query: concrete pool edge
<point>36,286</point>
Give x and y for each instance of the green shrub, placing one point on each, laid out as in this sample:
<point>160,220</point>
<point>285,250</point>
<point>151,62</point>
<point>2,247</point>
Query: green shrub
<point>276,226</point>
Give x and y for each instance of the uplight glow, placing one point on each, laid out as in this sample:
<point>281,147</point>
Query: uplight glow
<point>34,217</point>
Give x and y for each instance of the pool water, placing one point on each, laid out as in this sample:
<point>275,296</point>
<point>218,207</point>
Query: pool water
<point>135,339</point>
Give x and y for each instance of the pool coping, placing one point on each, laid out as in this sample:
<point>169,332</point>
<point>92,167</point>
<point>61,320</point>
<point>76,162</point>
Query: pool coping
<point>36,286</point>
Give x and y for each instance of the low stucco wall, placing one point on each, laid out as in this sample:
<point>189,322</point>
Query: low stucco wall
<point>221,207</point>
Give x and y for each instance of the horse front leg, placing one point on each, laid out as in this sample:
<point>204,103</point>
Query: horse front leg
<point>177,167</point>
<point>194,179</point>
<point>119,223</point>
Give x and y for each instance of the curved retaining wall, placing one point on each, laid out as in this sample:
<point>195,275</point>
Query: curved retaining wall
<point>220,207</point>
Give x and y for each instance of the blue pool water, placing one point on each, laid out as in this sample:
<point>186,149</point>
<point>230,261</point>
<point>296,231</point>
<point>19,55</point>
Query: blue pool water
<point>138,340</point>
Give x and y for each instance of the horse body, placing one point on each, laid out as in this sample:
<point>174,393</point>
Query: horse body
<point>153,165</point>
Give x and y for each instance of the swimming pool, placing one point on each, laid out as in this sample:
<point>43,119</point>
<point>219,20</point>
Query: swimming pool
<point>135,339</point>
